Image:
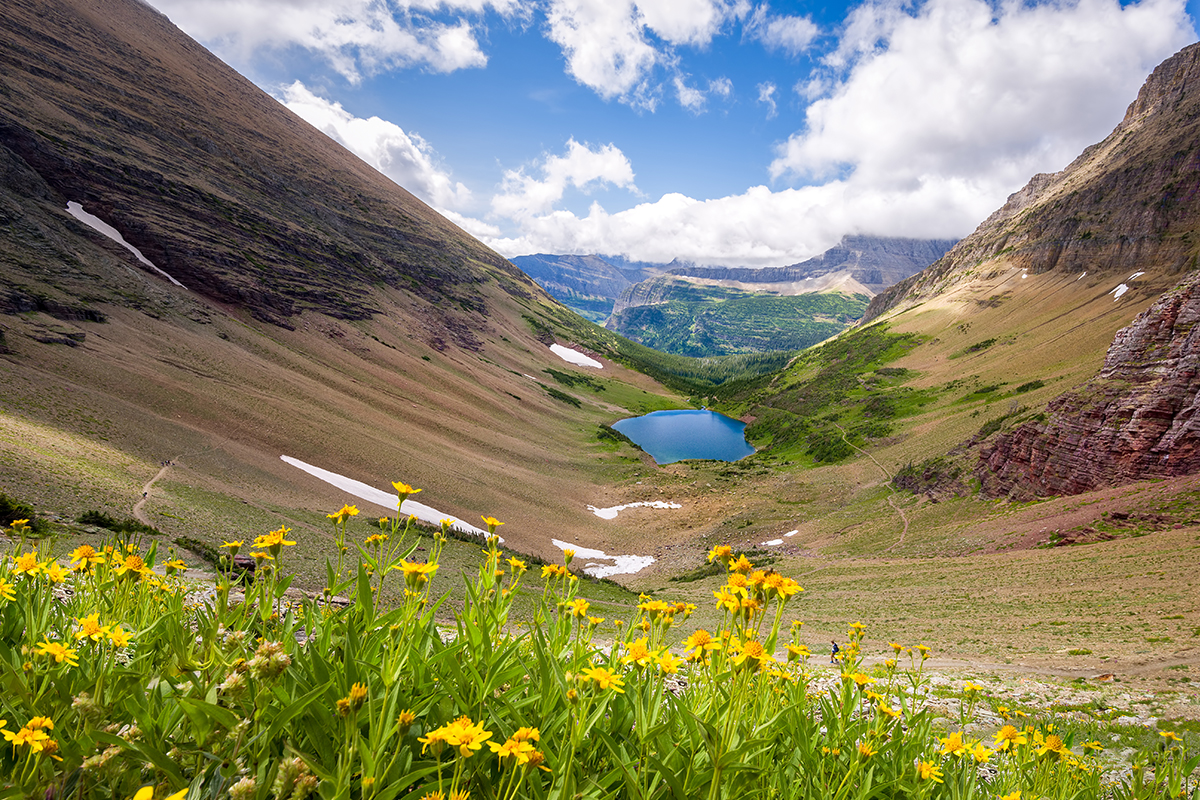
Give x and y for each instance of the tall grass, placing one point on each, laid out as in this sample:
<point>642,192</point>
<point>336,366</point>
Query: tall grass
<point>122,680</point>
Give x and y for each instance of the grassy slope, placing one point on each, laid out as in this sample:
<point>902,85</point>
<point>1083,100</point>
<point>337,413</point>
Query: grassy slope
<point>967,575</point>
<point>87,427</point>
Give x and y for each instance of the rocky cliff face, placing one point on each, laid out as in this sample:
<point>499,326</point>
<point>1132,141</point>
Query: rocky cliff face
<point>1139,418</point>
<point>1130,203</point>
<point>876,262</point>
<point>570,277</point>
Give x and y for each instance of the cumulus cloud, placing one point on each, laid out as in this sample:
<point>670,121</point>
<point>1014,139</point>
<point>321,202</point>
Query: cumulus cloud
<point>523,196</point>
<point>760,227</point>
<point>613,46</point>
<point>406,158</point>
<point>766,96</point>
<point>987,94</point>
<point>791,34</point>
<point>926,118</point>
<point>356,37</point>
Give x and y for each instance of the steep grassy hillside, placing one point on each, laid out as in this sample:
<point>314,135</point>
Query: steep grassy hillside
<point>318,310</point>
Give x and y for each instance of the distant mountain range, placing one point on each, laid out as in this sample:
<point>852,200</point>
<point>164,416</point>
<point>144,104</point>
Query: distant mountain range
<point>682,308</point>
<point>599,286</point>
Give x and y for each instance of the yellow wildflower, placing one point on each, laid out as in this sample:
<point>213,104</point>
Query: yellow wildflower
<point>7,590</point>
<point>1009,736</point>
<point>741,564</point>
<point>85,556</point>
<point>927,770</point>
<point>603,678</point>
<point>404,491</point>
<point>953,745</point>
<point>58,652</point>
<point>517,751</point>
<point>752,655</point>
<point>90,628</point>
<point>723,552</point>
<point>131,566</point>
<point>639,653</point>
<point>416,573</point>
<point>118,637</point>
<point>669,664</point>
<point>492,523</point>
<point>981,753</point>
<point>54,572</point>
<point>342,514</point>
<point>700,644</point>
<point>27,564</point>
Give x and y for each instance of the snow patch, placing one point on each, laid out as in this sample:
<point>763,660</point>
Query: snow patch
<point>1136,275</point>
<point>773,543</point>
<point>1024,275</point>
<point>100,226</point>
<point>1120,290</point>
<point>622,565</point>
<point>791,533</point>
<point>1081,275</point>
<point>574,357</point>
<point>387,500</point>
<point>611,513</point>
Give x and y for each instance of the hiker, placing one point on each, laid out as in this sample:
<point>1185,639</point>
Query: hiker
<point>833,655</point>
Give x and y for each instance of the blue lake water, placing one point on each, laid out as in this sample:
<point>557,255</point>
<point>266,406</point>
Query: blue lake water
<point>676,435</point>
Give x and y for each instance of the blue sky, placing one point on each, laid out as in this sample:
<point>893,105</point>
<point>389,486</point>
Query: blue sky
<point>717,131</point>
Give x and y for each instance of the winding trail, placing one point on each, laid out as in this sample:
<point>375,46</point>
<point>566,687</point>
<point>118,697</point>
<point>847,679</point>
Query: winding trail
<point>891,497</point>
<point>137,507</point>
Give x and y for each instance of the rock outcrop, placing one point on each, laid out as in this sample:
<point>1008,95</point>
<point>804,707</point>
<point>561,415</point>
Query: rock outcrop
<point>1139,418</point>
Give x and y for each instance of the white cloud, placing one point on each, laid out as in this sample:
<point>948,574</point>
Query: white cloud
<point>356,37</point>
<point>962,89</point>
<point>604,45</point>
<point>686,22</point>
<point>791,34</point>
<point>406,158</point>
<point>931,118</point>
<point>689,98</point>
<point>696,100</point>
<point>609,48</point>
<point>766,96</point>
<point>522,196</point>
<point>760,227</point>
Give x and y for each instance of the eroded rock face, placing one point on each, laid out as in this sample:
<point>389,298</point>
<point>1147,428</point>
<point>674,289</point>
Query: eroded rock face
<point>1137,419</point>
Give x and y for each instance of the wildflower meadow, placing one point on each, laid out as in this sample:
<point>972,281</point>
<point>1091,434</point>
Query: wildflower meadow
<point>123,679</point>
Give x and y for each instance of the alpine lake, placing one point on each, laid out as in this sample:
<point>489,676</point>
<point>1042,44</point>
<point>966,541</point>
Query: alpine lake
<point>670,436</point>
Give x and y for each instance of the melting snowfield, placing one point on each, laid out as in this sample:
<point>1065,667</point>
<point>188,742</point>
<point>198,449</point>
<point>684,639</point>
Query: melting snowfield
<point>387,500</point>
<point>100,226</point>
<point>575,357</point>
<point>777,542</point>
<point>1123,288</point>
<point>611,513</point>
<point>622,565</point>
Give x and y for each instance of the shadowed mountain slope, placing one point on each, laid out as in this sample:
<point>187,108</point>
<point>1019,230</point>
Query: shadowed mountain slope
<point>215,182</point>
